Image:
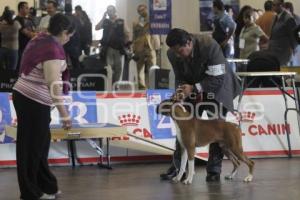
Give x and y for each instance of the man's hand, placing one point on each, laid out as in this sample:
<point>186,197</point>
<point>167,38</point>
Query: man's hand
<point>186,89</point>
<point>104,15</point>
<point>224,43</point>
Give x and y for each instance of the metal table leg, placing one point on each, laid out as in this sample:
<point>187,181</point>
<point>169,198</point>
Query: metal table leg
<point>72,152</point>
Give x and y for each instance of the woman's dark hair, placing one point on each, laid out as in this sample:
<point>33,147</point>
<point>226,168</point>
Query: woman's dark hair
<point>178,36</point>
<point>59,23</point>
<point>240,21</point>
<point>8,17</point>
<point>248,13</point>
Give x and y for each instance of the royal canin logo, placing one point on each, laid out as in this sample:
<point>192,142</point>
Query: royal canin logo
<point>132,122</point>
<point>245,116</point>
<point>129,120</point>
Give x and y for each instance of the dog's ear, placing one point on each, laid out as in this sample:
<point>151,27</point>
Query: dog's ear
<point>164,107</point>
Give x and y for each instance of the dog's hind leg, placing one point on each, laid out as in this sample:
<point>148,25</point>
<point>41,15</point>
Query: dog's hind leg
<point>184,158</point>
<point>242,157</point>
<point>250,164</point>
<point>234,161</point>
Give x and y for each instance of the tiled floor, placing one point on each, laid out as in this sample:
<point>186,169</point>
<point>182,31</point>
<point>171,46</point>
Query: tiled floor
<point>275,179</point>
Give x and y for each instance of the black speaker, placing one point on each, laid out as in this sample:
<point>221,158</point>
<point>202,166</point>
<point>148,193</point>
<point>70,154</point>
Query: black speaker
<point>7,80</point>
<point>88,79</point>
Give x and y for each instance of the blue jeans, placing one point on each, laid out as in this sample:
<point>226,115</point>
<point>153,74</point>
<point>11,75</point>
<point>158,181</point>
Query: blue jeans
<point>9,58</point>
<point>296,57</point>
<point>227,51</point>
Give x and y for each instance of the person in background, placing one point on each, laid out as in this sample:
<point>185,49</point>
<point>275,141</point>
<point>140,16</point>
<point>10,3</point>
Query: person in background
<point>290,8</point>
<point>38,88</point>
<point>224,28</point>
<point>265,21</point>
<point>296,56</point>
<point>85,30</point>
<point>9,30</point>
<point>282,41</point>
<point>115,37</point>
<point>251,35</point>
<point>143,47</point>
<point>239,25</point>
<point>51,10</point>
<point>72,48</point>
<point>27,30</point>
<point>201,70</point>
<point>32,15</point>
<point>6,8</point>
<point>229,10</point>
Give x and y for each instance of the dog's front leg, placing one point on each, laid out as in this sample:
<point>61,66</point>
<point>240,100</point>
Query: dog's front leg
<point>184,158</point>
<point>191,172</point>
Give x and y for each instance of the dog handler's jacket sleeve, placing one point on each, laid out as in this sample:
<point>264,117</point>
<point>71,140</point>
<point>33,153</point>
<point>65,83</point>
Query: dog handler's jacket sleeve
<point>215,69</point>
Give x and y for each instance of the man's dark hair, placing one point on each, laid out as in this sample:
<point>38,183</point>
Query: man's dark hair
<point>218,4</point>
<point>55,4</point>
<point>178,36</point>
<point>281,2</point>
<point>21,5</point>
<point>78,8</point>
<point>227,7</point>
<point>268,5</point>
<point>289,6</point>
<point>59,23</point>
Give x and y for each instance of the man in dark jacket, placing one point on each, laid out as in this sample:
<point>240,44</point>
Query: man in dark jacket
<point>200,67</point>
<point>72,48</point>
<point>115,36</point>
<point>282,41</point>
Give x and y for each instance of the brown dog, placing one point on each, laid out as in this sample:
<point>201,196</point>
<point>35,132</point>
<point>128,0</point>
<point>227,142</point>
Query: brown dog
<point>193,132</point>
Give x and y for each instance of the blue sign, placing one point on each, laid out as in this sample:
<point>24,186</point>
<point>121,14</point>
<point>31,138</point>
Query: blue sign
<point>160,16</point>
<point>161,126</point>
<point>5,116</point>
<point>83,108</point>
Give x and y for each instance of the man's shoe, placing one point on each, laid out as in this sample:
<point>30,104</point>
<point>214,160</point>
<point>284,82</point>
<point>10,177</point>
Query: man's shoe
<point>168,176</point>
<point>212,177</point>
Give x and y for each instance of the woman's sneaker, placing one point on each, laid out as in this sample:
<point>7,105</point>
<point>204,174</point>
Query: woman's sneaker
<point>48,196</point>
<point>58,193</point>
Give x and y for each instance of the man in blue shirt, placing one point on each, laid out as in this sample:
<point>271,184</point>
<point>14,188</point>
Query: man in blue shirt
<point>224,28</point>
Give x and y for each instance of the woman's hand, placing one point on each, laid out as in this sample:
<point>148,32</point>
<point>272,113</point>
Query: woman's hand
<point>66,123</point>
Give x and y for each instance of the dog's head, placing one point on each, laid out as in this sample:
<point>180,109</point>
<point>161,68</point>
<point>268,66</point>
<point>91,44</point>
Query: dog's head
<point>166,106</point>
